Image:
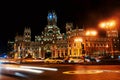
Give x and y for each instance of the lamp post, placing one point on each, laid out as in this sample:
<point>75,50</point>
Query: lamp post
<point>109,26</point>
<point>106,47</point>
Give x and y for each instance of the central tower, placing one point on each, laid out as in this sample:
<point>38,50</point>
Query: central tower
<point>52,18</point>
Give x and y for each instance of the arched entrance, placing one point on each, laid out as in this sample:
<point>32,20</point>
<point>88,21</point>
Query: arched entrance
<point>48,52</point>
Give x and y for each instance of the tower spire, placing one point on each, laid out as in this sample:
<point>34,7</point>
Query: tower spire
<point>27,34</point>
<point>52,18</point>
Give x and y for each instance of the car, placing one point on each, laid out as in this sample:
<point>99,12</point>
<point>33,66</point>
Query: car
<point>53,60</point>
<point>29,60</point>
<point>75,60</point>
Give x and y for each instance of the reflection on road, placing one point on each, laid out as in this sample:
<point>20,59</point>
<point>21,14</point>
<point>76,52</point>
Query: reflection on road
<point>90,71</point>
<point>59,72</point>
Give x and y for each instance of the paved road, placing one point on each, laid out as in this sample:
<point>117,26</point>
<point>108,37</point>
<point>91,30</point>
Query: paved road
<point>66,72</point>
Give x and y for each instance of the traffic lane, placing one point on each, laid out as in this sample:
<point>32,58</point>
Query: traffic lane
<point>16,72</point>
<point>102,72</point>
<point>10,77</point>
<point>99,72</point>
<point>6,74</point>
<point>22,72</point>
<point>73,70</point>
<point>58,76</point>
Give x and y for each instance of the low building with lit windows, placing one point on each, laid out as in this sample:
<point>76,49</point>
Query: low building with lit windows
<point>83,42</point>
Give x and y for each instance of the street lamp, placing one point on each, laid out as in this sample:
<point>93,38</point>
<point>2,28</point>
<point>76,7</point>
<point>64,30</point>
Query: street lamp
<point>78,40</point>
<point>109,26</point>
<point>91,33</point>
<point>106,48</point>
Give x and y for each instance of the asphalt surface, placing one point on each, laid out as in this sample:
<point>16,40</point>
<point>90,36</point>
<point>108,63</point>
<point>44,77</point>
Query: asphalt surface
<point>61,72</point>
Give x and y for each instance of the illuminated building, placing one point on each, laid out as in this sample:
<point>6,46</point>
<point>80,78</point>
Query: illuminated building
<point>112,33</point>
<point>22,43</point>
<point>51,43</point>
<point>75,42</point>
<point>82,42</point>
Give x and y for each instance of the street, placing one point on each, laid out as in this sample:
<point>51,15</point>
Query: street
<point>60,72</point>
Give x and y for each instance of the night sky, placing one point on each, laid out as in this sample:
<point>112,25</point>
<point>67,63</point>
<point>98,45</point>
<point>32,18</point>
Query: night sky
<point>16,15</point>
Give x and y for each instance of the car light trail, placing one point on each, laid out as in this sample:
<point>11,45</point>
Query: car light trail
<point>21,69</point>
<point>20,75</point>
<point>42,68</point>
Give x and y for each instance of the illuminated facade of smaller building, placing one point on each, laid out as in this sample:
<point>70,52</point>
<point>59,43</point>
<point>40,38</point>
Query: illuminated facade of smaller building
<point>81,44</point>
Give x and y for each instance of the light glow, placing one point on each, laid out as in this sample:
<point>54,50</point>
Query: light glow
<point>22,69</point>
<point>107,24</point>
<point>107,46</point>
<point>78,40</point>
<point>91,33</point>
<point>42,68</point>
<point>20,74</point>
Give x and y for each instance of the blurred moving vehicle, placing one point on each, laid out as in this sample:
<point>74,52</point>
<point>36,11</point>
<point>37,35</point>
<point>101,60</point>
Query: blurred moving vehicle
<point>7,61</point>
<point>89,59</point>
<point>32,60</point>
<point>75,60</point>
<point>53,60</point>
<point>29,60</point>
